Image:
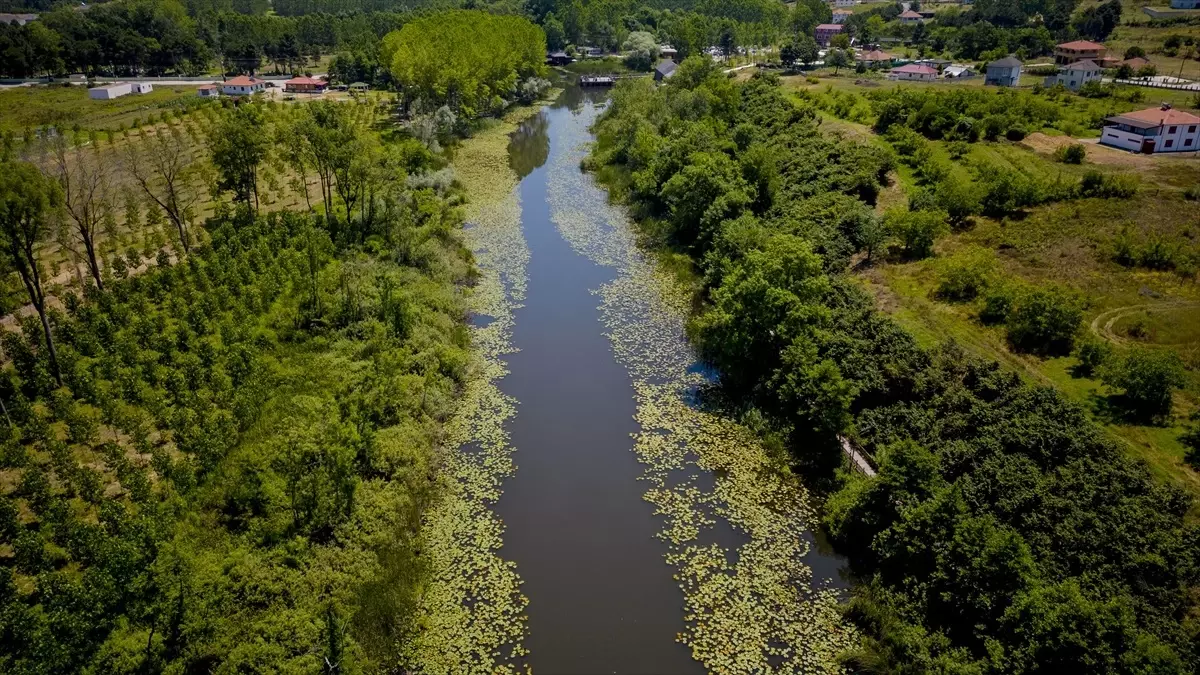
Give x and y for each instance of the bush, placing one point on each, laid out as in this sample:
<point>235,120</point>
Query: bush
<point>1148,377</point>
<point>1191,445</point>
<point>917,231</point>
<point>1006,191</point>
<point>1045,321</point>
<point>1096,184</point>
<point>966,276</point>
<point>1074,153</point>
<point>997,305</point>
<point>1092,354</point>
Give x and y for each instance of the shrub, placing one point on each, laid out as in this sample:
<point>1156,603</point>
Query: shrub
<point>997,305</point>
<point>1096,184</point>
<point>1148,377</point>
<point>1045,321</point>
<point>1092,354</point>
<point>1191,445</point>
<point>917,231</point>
<point>1005,191</point>
<point>966,276</point>
<point>1071,154</point>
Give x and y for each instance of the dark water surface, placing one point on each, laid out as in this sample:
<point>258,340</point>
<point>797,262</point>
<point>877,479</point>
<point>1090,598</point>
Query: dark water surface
<point>601,597</point>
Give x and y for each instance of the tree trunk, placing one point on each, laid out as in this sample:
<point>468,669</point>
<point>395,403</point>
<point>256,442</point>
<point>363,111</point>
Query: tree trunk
<point>93,262</point>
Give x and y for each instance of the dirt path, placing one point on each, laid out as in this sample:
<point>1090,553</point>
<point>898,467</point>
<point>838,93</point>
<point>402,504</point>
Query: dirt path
<point>1102,325</point>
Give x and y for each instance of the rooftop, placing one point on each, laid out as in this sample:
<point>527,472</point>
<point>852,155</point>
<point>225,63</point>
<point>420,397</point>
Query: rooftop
<point>1156,116</point>
<point>1080,45</point>
<point>909,14</point>
<point>304,79</point>
<point>242,81</point>
<point>830,26</point>
<point>1084,65</point>
<point>1006,62</point>
<point>915,69</point>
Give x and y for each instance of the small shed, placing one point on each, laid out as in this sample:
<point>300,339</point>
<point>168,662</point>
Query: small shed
<point>142,87</point>
<point>559,58</point>
<point>359,87</point>
<point>664,70</point>
<point>954,72</point>
<point>109,91</point>
<point>208,91</point>
<point>1005,72</point>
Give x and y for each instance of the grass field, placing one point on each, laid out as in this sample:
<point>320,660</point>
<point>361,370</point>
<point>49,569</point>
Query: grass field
<point>66,106</point>
<point>1069,244</point>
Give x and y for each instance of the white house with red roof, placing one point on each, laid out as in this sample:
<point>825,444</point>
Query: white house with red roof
<point>1161,129</point>
<point>913,72</point>
<point>243,85</point>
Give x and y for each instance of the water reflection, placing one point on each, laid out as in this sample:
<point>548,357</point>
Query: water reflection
<point>529,145</point>
<point>573,97</point>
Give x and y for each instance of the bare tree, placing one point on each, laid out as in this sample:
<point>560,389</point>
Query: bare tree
<point>84,179</point>
<point>161,165</point>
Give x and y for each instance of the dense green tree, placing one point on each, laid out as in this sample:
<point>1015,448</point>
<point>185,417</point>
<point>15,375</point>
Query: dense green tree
<point>27,200</point>
<point>239,145</point>
<point>1147,377</point>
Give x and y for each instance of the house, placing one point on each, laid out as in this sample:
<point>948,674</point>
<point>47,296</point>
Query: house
<point>825,32</point>
<point>142,87</point>
<point>19,19</point>
<point>873,58</point>
<point>590,52</point>
<point>936,64</point>
<point>913,72</point>
<point>558,58</point>
<point>109,91</point>
<point>841,15</point>
<point>1185,4</point>
<point>664,70</point>
<point>208,91</point>
<point>1079,50</point>
<point>953,72</point>
<point>243,85</point>
<point>1005,72</point>
<point>305,85</point>
<point>1161,129</point>
<point>668,52</point>
<point>844,3</point>
<point>909,17</point>
<point>1075,75</point>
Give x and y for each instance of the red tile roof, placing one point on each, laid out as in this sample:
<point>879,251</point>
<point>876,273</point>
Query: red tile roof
<point>1079,45</point>
<point>909,14</point>
<point>243,81</point>
<point>1160,116</point>
<point>304,79</point>
<point>875,55</point>
<point>915,69</point>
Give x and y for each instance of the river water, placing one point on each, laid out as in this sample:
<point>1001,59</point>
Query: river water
<point>650,532</point>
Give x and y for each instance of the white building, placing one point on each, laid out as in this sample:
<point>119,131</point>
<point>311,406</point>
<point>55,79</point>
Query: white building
<point>242,86</point>
<point>956,71</point>
<point>110,91</point>
<point>1153,130</point>
<point>142,87</point>
<point>844,3</point>
<point>1076,75</point>
<point>1185,4</point>
<point>208,91</point>
<point>913,72</point>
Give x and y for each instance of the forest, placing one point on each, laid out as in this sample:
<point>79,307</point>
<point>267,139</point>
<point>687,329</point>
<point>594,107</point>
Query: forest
<point>1004,532</point>
<point>216,455</point>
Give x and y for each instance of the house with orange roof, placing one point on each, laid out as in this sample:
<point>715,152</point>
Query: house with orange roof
<point>1153,130</point>
<point>1078,50</point>
<point>243,85</point>
<point>909,17</point>
<point>305,85</point>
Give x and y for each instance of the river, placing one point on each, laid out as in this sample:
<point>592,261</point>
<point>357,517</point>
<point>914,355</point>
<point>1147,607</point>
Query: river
<point>647,531</point>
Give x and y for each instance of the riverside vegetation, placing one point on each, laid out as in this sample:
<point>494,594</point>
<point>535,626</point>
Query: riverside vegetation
<point>1004,532</point>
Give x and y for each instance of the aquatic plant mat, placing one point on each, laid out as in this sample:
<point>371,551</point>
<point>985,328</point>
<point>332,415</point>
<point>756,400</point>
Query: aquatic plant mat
<point>472,614</point>
<point>751,609</point>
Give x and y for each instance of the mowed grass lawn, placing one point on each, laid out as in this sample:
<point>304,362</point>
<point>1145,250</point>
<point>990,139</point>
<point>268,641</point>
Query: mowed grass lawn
<point>1069,244</point>
<point>66,106</point>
